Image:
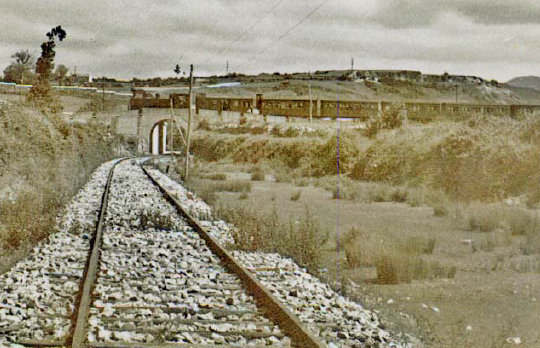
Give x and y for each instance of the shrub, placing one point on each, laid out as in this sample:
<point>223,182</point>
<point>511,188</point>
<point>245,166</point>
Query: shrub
<point>50,178</point>
<point>324,158</point>
<point>276,131</point>
<point>489,218</point>
<point>386,270</point>
<point>393,116</point>
<point>520,222</point>
<point>243,195</point>
<point>418,245</point>
<point>264,232</point>
<point>345,191</point>
<point>440,211</point>
<point>291,132</point>
<point>531,245</point>
<point>204,125</point>
<point>25,220</point>
<point>258,175</point>
<point>207,190</point>
<point>398,195</point>
<point>301,182</point>
<point>281,172</point>
<point>296,195</point>
<point>483,219</point>
<point>218,176</point>
<point>399,267</point>
<point>243,120</point>
<point>229,186</point>
<point>389,162</point>
<point>350,241</point>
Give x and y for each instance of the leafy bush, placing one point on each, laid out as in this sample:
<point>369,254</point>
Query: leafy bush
<point>324,159</point>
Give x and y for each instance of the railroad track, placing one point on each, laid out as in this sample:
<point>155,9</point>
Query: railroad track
<point>156,278</point>
<point>38,295</point>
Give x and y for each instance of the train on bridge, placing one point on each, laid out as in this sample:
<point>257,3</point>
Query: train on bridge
<point>322,108</point>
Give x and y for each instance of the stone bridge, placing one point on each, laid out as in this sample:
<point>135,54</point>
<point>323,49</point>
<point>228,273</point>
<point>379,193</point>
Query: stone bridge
<point>151,127</point>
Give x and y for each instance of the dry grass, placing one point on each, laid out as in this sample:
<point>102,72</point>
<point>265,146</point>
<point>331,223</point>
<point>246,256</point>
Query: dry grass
<point>477,155</point>
<point>281,173</point>
<point>217,176</point>
<point>26,220</point>
<point>254,231</point>
<point>51,160</point>
<point>440,211</point>
<point>154,219</point>
<point>207,189</point>
<point>531,245</point>
<point>444,166</point>
<point>353,252</point>
<point>396,260</point>
<point>489,241</point>
<point>488,218</point>
<point>399,267</point>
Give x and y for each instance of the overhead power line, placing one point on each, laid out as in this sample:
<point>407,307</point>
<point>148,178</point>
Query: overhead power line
<point>299,23</point>
<point>245,32</point>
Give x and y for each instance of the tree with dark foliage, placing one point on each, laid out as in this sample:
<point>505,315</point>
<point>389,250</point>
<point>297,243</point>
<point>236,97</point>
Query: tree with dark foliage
<point>40,94</point>
<point>18,70</point>
<point>60,73</point>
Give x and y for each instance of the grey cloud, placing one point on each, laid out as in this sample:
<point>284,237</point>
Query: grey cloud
<point>422,13</point>
<point>126,38</point>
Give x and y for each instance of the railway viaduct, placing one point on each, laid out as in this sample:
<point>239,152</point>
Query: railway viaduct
<point>148,117</point>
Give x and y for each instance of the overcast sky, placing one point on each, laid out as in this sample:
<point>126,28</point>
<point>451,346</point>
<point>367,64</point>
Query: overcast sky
<point>124,38</point>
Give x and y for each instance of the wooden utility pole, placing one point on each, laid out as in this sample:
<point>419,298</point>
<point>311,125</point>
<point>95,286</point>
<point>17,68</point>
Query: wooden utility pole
<point>171,138</point>
<point>310,101</point>
<point>103,96</point>
<point>22,83</point>
<point>186,172</point>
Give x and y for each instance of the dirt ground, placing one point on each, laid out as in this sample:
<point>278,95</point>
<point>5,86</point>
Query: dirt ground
<point>480,307</point>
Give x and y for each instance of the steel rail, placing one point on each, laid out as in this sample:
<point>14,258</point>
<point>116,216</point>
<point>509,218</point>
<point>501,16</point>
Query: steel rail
<point>287,321</point>
<point>78,335</point>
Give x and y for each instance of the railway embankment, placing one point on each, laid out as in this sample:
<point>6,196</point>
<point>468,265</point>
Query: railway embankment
<point>44,161</point>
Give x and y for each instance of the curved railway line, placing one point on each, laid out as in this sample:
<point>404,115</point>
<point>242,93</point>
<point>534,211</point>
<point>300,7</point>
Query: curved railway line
<point>151,285</point>
<point>150,275</point>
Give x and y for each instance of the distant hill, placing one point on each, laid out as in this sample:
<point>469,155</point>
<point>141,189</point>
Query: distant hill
<point>526,81</point>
